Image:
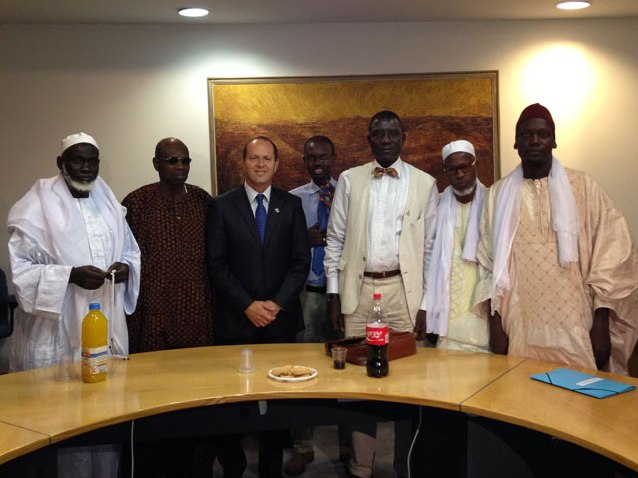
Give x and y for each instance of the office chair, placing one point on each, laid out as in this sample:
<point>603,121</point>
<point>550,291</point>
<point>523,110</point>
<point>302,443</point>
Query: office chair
<point>7,305</point>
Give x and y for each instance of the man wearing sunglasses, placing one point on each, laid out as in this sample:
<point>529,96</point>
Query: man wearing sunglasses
<point>174,309</point>
<point>167,219</point>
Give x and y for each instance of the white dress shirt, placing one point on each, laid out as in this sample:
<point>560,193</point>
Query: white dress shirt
<point>385,218</point>
<point>388,198</point>
<point>252,197</point>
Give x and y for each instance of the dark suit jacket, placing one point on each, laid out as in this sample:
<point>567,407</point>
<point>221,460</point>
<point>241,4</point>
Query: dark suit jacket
<point>243,270</point>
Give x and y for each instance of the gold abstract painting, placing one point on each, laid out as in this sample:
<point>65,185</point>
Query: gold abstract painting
<point>434,108</point>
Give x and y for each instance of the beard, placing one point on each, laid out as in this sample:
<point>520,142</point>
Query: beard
<point>81,186</point>
<point>464,192</point>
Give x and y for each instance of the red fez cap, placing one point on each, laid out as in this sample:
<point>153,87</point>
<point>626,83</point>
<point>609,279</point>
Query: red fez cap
<point>536,111</point>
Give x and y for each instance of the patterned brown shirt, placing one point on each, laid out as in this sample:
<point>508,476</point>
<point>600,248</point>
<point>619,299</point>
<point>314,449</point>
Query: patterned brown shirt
<point>174,308</point>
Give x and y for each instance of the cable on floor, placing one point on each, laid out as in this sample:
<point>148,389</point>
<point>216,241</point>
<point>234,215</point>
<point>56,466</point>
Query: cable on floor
<point>416,434</point>
<point>132,448</point>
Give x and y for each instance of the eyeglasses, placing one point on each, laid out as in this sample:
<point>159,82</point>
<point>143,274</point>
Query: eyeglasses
<point>463,168</point>
<point>311,158</point>
<point>173,160</point>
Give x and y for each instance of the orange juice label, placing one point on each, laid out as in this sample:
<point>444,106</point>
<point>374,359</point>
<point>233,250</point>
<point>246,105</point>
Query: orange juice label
<point>95,360</point>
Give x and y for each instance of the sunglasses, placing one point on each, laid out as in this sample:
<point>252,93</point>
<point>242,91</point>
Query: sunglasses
<point>173,160</point>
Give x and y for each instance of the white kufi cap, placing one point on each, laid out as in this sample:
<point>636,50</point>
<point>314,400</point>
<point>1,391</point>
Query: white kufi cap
<point>460,146</point>
<point>77,138</point>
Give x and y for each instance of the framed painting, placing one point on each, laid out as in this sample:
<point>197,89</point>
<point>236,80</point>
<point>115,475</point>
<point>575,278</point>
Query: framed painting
<point>434,108</point>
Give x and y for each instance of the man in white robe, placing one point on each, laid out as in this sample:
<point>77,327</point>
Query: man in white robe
<point>451,321</point>
<point>559,265</point>
<point>68,239</point>
<point>454,272</point>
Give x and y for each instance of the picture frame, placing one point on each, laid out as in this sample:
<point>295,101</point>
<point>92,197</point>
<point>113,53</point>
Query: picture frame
<point>435,108</point>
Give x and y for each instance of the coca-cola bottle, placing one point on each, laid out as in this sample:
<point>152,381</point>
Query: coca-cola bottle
<point>377,338</point>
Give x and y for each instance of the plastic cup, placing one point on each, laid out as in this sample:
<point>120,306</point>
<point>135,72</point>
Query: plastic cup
<point>246,362</point>
<point>65,368</point>
<point>339,357</point>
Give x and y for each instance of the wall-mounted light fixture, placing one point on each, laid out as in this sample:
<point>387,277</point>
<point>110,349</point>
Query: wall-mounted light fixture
<point>573,5</point>
<point>193,12</point>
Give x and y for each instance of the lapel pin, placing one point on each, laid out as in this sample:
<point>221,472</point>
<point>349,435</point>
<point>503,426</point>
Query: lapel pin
<point>277,210</point>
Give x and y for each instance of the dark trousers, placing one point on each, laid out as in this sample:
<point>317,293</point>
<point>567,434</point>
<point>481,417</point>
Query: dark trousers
<point>271,452</point>
<point>230,452</point>
<point>180,457</point>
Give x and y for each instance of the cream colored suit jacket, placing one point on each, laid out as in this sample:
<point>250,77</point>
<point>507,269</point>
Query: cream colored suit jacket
<point>415,244</point>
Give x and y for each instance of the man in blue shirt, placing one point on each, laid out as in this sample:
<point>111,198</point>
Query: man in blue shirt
<point>316,199</point>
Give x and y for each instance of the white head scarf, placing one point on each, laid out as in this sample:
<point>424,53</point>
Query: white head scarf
<point>459,146</point>
<point>77,138</point>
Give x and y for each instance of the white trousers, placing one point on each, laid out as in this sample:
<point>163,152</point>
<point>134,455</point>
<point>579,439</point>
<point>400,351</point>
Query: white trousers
<point>393,304</point>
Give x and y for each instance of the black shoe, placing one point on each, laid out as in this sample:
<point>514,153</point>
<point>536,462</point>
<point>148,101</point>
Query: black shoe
<point>297,464</point>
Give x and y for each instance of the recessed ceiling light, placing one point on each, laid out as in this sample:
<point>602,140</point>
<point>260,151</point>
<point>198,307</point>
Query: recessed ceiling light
<point>193,12</point>
<point>571,5</point>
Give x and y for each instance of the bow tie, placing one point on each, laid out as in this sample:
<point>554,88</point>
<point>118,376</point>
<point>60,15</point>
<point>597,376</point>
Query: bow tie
<point>378,172</point>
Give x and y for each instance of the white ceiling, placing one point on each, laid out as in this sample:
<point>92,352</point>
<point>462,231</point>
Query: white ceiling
<point>299,11</point>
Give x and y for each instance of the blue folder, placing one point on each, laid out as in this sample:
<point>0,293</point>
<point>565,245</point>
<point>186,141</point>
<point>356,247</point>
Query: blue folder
<point>582,383</point>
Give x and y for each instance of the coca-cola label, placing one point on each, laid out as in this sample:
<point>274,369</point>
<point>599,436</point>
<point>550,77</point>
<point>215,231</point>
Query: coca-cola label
<point>377,334</point>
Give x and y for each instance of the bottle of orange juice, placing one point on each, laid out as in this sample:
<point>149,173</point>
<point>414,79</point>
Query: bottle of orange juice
<point>95,358</point>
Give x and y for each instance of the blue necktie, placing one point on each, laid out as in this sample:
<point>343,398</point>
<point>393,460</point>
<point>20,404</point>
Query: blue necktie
<point>323,211</point>
<point>260,216</point>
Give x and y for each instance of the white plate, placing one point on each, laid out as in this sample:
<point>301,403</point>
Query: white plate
<point>293,379</point>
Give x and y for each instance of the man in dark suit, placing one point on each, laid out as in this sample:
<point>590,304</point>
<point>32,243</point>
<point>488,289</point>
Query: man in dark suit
<point>258,257</point>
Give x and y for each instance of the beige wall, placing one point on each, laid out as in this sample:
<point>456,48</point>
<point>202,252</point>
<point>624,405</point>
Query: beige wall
<point>131,85</point>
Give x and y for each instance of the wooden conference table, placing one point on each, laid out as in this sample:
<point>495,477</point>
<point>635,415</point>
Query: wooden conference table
<point>44,407</point>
